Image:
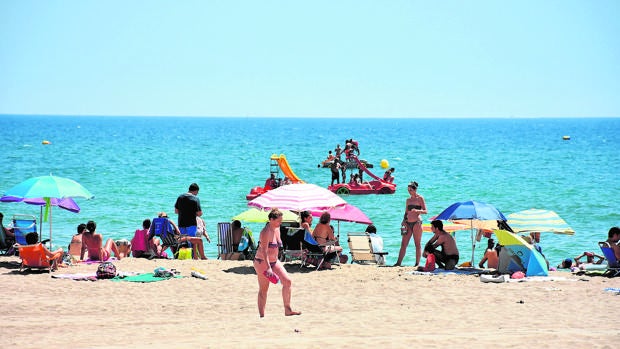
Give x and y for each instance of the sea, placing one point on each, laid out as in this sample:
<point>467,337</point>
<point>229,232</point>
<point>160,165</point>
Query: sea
<point>137,166</point>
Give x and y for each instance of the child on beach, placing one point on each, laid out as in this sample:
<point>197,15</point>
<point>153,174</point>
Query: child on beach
<point>430,259</point>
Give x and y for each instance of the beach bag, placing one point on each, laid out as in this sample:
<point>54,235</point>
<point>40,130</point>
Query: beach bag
<point>106,270</point>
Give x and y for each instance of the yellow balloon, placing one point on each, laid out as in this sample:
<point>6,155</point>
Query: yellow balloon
<point>385,164</point>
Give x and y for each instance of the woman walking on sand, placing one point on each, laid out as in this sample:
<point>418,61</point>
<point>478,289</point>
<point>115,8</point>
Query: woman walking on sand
<point>412,224</point>
<point>268,267</point>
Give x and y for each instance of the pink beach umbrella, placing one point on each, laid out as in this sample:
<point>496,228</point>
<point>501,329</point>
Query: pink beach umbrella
<point>298,197</point>
<point>345,213</point>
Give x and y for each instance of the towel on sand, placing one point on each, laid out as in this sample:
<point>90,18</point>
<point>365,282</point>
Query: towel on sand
<point>146,277</point>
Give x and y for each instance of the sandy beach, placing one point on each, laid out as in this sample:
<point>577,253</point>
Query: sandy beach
<point>348,306</point>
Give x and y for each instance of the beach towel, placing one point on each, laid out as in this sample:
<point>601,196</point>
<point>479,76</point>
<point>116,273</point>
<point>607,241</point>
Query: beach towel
<point>89,276</point>
<point>146,277</point>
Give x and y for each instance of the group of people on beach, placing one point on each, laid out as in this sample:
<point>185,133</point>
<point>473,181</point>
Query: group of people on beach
<point>441,249</point>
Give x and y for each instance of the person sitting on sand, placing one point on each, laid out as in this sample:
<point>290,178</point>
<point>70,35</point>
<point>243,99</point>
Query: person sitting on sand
<point>430,259</point>
<point>491,256</point>
<point>448,257</point>
<point>92,242</point>
<point>143,247</point>
<point>75,246</point>
<point>589,258</point>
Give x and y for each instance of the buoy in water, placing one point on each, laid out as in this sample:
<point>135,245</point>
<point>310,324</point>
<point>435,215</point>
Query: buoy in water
<point>384,164</point>
<point>46,142</point>
<point>566,138</point>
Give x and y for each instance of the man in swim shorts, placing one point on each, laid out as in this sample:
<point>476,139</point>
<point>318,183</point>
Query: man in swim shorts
<point>448,257</point>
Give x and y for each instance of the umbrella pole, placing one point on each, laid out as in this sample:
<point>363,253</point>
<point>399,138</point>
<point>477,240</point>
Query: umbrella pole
<point>473,242</point>
<point>40,227</point>
<point>50,227</point>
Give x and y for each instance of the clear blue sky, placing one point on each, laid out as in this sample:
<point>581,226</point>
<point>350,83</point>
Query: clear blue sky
<point>312,58</point>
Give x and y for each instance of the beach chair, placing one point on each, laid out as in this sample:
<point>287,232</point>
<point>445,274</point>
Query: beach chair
<point>314,250</point>
<point>292,247</point>
<point>613,266</point>
<point>22,225</point>
<point>224,240</point>
<point>360,247</point>
<point>162,228</point>
<point>33,256</point>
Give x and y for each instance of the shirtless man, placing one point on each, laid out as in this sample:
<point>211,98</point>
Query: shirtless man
<point>448,257</point>
<point>613,236</point>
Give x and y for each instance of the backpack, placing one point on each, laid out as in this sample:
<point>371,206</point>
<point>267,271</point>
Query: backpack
<point>106,270</point>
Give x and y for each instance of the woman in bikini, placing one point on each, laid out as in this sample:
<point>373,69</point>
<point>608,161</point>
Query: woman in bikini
<point>324,235</point>
<point>266,264</point>
<point>412,221</point>
<point>93,243</point>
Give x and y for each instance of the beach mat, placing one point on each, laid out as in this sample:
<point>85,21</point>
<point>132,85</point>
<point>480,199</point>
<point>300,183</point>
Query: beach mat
<point>146,277</point>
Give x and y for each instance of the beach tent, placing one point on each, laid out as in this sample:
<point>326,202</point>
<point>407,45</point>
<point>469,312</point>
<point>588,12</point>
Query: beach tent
<point>517,255</point>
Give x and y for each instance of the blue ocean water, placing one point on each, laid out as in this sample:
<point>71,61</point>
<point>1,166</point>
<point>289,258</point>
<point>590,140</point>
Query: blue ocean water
<point>137,166</point>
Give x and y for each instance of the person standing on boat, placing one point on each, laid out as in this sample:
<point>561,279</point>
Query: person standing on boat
<point>415,207</point>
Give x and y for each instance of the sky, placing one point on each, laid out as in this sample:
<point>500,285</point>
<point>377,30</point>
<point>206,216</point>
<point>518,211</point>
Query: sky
<point>320,58</point>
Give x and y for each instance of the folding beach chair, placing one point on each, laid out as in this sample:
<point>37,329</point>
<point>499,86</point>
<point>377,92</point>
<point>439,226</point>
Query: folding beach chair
<point>360,247</point>
<point>314,250</point>
<point>33,256</point>
<point>22,225</point>
<point>224,240</point>
<point>613,266</point>
<point>162,228</point>
<point>292,244</point>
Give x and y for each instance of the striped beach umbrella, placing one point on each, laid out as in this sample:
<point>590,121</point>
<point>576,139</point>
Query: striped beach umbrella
<point>298,197</point>
<point>537,220</point>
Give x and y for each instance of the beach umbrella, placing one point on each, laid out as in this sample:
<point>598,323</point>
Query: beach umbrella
<point>450,227</point>
<point>48,188</point>
<point>471,210</point>
<point>66,203</point>
<point>298,197</point>
<point>537,220</point>
<point>345,213</point>
<point>530,259</point>
<point>254,215</point>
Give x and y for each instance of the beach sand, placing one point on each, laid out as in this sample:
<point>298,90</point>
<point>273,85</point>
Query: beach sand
<point>349,306</point>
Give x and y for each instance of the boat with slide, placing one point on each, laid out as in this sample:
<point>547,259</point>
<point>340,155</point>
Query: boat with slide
<point>278,163</point>
<point>375,186</point>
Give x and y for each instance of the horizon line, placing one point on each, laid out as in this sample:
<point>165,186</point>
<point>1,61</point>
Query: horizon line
<point>313,117</point>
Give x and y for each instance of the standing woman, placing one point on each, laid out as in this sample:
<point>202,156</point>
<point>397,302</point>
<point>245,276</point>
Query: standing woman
<point>412,221</point>
<point>267,265</point>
